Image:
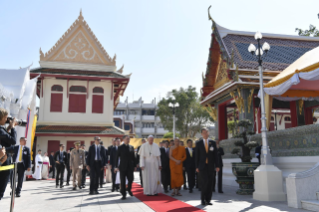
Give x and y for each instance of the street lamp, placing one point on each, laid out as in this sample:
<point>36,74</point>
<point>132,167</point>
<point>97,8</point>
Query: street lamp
<point>173,106</point>
<point>268,178</point>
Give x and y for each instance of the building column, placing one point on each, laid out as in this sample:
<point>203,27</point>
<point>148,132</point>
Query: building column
<point>222,122</point>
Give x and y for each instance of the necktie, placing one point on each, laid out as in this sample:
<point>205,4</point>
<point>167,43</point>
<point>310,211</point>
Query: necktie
<point>20,156</point>
<point>206,147</point>
<point>191,152</point>
<point>98,153</point>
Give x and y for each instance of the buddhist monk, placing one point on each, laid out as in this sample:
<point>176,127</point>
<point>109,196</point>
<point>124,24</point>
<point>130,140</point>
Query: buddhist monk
<point>177,155</point>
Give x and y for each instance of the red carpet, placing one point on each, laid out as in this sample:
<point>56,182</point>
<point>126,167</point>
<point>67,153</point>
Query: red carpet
<point>162,202</point>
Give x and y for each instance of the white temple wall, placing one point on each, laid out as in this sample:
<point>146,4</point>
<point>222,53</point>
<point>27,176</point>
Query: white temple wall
<point>287,165</point>
<point>64,117</point>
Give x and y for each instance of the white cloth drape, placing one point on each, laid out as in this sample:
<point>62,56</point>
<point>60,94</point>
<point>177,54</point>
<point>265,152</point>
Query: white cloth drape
<point>294,80</point>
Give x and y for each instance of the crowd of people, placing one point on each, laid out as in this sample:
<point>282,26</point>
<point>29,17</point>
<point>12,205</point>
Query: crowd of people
<point>161,167</point>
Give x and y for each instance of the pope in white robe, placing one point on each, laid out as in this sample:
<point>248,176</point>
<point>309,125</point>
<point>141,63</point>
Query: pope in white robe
<point>150,163</point>
<point>45,166</point>
<point>38,166</point>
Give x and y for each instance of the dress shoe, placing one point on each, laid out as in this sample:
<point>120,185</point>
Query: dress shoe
<point>208,203</point>
<point>203,203</point>
<point>130,193</point>
<point>155,195</point>
<point>190,190</point>
<point>185,188</point>
<point>96,192</point>
<point>61,186</point>
<point>166,191</point>
<point>83,186</point>
<point>80,187</point>
<point>18,195</point>
<point>74,188</point>
<point>91,193</point>
<point>221,192</point>
<point>123,198</point>
<point>113,189</point>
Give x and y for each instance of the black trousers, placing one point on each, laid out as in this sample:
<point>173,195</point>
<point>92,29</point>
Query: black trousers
<point>59,173</point>
<point>94,175</point>
<point>129,174</point>
<point>84,171</point>
<point>20,172</point>
<point>166,178</point>
<point>206,184</point>
<point>52,169</point>
<point>220,179</point>
<point>4,179</point>
<point>101,177</point>
<point>114,186</point>
<point>191,178</point>
<point>184,175</point>
<point>69,173</point>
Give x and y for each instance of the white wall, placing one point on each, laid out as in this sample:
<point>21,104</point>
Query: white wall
<point>287,165</point>
<point>64,117</point>
<point>42,142</point>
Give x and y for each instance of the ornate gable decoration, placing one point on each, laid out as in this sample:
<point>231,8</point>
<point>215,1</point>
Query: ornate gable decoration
<point>78,45</point>
<point>222,74</point>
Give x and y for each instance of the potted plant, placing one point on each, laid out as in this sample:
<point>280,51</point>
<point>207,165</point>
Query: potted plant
<point>244,171</point>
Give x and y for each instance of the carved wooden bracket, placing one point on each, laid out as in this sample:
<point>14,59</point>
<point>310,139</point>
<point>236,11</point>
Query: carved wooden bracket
<point>250,97</point>
<point>239,101</point>
<point>300,102</point>
<point>211,111</point>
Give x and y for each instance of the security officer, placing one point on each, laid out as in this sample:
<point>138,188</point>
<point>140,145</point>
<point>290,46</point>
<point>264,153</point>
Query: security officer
<point>8,138</point>
<point>77,161</point>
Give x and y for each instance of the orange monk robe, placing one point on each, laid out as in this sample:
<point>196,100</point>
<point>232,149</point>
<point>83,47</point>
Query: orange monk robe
<point>177,178</point>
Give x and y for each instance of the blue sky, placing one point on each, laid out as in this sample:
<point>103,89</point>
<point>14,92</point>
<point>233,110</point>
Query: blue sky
<point>163,43</point>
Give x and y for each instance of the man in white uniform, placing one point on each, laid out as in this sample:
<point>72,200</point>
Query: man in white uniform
<point>151,166</point>
<point>38,166</point>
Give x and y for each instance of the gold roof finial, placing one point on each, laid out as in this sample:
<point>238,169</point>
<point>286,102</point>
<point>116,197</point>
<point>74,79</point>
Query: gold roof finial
<point>81,16</point>
<point>41,54</point>
<point>210,17</point>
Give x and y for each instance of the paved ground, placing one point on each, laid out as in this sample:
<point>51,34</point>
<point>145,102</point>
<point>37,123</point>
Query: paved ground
<point>43,196</point>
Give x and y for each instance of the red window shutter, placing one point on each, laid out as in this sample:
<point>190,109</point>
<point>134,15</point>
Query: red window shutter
<point>97,104</point>
<point>56,102</point>
<point>77,103</point>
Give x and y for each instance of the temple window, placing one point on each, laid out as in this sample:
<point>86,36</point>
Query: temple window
<point>97,100</point>
<point>56,98</point>
<point>77,99</point>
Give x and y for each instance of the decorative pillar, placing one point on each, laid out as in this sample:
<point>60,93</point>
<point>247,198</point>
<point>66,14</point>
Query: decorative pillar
<point>293,114</point>
<point>222,122</point>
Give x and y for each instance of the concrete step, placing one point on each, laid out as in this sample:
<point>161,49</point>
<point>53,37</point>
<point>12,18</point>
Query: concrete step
<point>311,205</point>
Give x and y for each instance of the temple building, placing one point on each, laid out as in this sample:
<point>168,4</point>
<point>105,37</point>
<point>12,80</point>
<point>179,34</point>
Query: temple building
<point>231,81</point>
<point>230,92</point>
<point>79,86</point>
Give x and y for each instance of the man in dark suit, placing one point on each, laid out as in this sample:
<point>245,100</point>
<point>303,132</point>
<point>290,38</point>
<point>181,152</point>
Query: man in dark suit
<point>113,156</point>
<point>102,173</point>
<point>220,153</point>
<point>7,138</point>
<point>165,172</point>
<point>109,148</point>
<point>96,161</point>
<point>21,156</point>
<point>67,165</point>
<point>189,165</point>
<point>52,164</point>
<point>138,160</point>
<point>84,170</point>
<point>127,165</point>
<point>60,158</point>
<point>206,160</point>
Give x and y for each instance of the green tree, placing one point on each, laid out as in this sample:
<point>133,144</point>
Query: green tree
<point>190,116</point>
<point>170,135</point>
